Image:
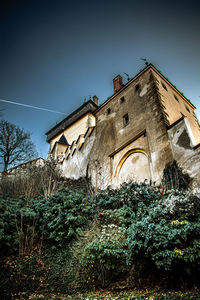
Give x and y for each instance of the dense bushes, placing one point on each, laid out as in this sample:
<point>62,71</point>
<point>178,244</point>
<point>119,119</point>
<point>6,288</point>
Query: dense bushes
<point>8,234</point>
<point>163,231</point>
<point>139,234</point>
<point>54,219</point>
<point>168,239</point>
<point>61,215</point>
<point>100,253</point>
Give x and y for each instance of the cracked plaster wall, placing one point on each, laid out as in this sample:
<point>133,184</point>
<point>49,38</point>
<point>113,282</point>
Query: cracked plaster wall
<point>149,113</point>
<point>143,108</point>
<point>79,127</point>
<point>186,156</point>
<point>76,165</point>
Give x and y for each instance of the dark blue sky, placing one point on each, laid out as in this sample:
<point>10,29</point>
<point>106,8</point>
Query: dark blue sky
<point>53,54</point>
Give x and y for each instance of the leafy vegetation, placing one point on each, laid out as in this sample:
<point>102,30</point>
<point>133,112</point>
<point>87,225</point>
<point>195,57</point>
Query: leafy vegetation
<point>69,242</point>
<point>167,237</point>
<point>134,294</point>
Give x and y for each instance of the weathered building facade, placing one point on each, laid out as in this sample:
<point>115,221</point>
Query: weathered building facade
<point>144,125</point>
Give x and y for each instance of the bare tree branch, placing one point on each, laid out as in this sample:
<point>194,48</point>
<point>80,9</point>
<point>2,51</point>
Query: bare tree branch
<point>15,146</point>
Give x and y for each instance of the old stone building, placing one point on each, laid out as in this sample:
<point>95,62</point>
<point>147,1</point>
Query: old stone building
<point>144,125</point>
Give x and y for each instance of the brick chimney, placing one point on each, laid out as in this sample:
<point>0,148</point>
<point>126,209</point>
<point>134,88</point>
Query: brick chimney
<point>117,83</point>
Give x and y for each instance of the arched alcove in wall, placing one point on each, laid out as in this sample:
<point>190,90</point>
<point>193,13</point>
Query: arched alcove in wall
<point>133,166</point>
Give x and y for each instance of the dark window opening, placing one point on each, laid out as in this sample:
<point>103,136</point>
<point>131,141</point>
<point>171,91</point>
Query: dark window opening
<point>108,111</point>
<point>122,100</point>
<point>137,87</point>
<point>164,86</point>
<point>126,119</point>
<point>73,151</point>
<point>187,109</point>
<point>176,98</point>
<point>166,113</point>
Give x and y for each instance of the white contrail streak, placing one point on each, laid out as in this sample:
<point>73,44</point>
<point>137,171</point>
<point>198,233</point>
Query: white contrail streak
<point>31,106</point>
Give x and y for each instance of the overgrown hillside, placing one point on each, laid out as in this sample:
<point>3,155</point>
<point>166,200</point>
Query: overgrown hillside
<point>73,240</point>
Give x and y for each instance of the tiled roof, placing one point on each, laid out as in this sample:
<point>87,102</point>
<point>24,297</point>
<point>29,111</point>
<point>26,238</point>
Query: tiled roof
<point>63,140</point>
<point>87,107</point>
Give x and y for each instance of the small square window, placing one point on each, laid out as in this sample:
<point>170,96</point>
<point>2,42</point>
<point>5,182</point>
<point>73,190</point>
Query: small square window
<point>122,100</point>
<point>108,111</point>
<point>126,119</point>
<point>187,108</point>
<point>164,86</point>
<point>137,87</point>
<point>176,98</point>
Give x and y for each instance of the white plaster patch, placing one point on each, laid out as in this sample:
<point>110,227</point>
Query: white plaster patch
<point>121,131</point>
<point>75,167</point>
<point>190,133</point>
<point>131,169</point>
<point>176,148</point>
<point>156,178</point>
<point>144,90</point>
<point>154,157</point>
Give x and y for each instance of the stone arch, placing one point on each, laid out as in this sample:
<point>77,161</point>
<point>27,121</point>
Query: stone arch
<point>135,166</point>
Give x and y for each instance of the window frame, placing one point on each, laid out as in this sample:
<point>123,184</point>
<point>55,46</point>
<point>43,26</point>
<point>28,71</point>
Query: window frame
<point>126,119</point>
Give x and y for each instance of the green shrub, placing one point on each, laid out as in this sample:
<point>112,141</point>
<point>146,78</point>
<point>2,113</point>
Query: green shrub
<point>61,215</point>
<point>182,204</point>
<point>8,235</point>
<point>129,194</point>
<point>54,219</point>
<point>164,235</point>
<point>17,225</point>
<point>84,243</point>
<point>100,251</point>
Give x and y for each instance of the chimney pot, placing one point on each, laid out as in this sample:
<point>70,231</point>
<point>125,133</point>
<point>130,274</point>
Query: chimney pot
<point>117,83</point>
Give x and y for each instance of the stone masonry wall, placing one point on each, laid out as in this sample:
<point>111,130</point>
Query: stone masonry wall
<point>141,103</point>
<point>135,136</point>
<point>187,157</point>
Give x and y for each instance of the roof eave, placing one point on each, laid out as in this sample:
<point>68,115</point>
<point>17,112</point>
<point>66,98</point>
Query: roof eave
<point>71,115</point>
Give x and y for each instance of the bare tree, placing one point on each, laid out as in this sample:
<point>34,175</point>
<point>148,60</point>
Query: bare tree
<point>15,145</point>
